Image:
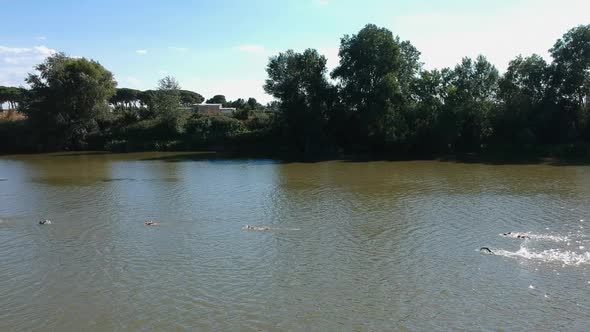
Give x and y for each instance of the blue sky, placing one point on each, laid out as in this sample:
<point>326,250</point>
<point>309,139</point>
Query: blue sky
<point>222,46</point>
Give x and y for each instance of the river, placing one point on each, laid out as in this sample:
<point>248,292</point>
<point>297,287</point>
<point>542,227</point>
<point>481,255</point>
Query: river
<point>337,245</point>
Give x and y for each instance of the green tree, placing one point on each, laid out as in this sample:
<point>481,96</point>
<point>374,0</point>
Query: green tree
<point>429,93</point>
<point>189,98</point>
<point>147,101</point>
<point>167,105</point>
<point>238,104</point>
<point>375,73</point>
<point>253,103</point>
<point>66,98</point>
<point>12,96</point>
<point>522,90</point>
<point>217,99</point>
<point>126,98</point>
<point>410,66</point>
<point>570,83</point>
<point>470,103</point>
<point>298,81</point>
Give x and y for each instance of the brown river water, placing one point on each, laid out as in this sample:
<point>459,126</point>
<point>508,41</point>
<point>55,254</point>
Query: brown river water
<point>335,245</point>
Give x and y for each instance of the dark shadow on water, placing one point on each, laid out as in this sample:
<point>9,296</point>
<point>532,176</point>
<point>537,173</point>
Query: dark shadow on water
<point>214,157</point>
<point>570,162</point>
<point>83,153</point>
<point>118,180</point>
<point>277,158</point>
<point>514,160</point>
<point>494,160</point>
<point>466,158</point>
<point>286,158</point>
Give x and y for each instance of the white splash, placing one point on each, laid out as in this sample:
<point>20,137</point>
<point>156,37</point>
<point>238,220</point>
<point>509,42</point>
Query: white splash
<point>552,255</point>
<point>531,236</point>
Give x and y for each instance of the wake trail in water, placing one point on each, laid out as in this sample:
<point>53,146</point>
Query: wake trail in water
<point>269,229</point>
<point>566,257</point>
<point>531,236</point>
<point>561,255</point>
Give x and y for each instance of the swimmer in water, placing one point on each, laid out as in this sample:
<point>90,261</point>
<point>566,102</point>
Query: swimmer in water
<point>255,228</point>
<point>486,250</point>
<point>518,236</point>
<point>45,222</point>
<point>151,223</point>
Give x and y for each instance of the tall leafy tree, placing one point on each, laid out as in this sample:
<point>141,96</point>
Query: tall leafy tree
<point>375,75</point>
<point>298,81</point>
<point>188,98</point>
<point>571,59</point>
<point>470,102</point>
<point>523,90</point>
<point>217,99</point>
<point>167,105</point>
<point>126,98</point>
<point>428,94</point>
<point>410,66</point>
<point>253,103</point>
<point>11,96</point>
<point>570,84</point>
<point>66,98</point>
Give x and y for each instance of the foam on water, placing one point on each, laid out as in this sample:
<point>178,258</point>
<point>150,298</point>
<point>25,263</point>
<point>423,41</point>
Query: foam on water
<point>566,257</point>
<point>531,236</point>
<point>562,254</point>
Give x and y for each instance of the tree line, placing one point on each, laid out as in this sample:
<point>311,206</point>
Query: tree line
<point>379,99</point>
<point>11,96</point>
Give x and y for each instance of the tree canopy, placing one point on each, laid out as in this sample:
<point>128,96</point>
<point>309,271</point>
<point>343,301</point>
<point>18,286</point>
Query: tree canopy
<point>299,82</point>
<point>67,97</point>
<point>217,99</point>
<point>11,96</point>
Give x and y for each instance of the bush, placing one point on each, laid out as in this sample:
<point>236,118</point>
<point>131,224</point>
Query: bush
<point>214,129</point>
<point>15,136</point>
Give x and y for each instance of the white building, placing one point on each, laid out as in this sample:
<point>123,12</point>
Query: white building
<point>214,109</point>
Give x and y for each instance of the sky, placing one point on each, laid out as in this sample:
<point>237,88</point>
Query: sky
<point>222,46</point>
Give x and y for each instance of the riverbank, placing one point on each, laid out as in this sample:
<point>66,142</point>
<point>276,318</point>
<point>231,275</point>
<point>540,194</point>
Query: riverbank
<point>552,155</point>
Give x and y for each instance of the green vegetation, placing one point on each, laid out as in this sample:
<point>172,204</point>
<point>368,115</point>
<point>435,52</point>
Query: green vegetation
<point>379,99</point>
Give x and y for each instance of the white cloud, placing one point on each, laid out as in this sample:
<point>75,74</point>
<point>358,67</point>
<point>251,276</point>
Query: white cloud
<point>30,51</point>
<point>11,60</point>
<point>44,51</point>
<point>252,49</point>
<point>141,52</point>
<point>13,50</point>
<point>13,75</point>
<point>16,62</point>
